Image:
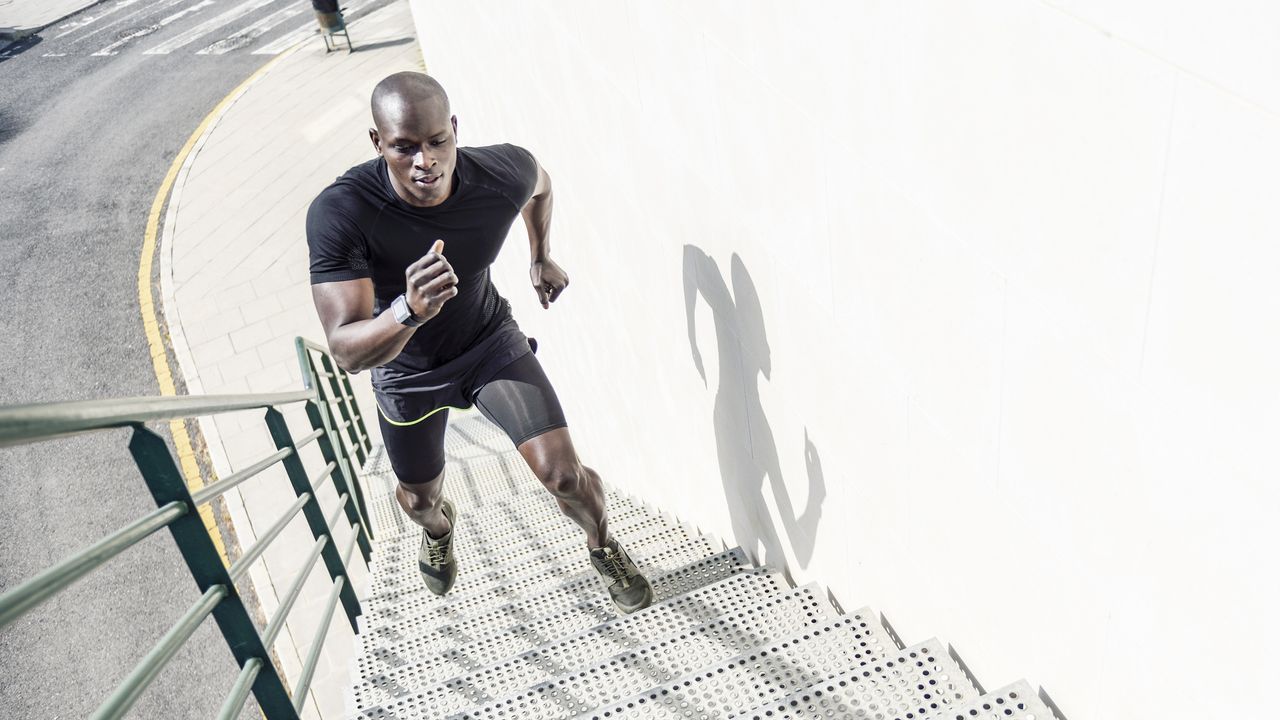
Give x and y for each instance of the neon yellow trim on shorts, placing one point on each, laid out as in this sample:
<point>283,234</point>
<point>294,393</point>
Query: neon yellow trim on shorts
<point>415,422</point>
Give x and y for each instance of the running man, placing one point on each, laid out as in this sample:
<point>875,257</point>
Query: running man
<point>400,248</point>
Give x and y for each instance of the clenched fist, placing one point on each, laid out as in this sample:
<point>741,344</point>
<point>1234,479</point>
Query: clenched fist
<point>549,280</point>
<point>429,283</point>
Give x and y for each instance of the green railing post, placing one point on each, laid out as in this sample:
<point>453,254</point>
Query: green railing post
<point>367,443</point>
<point>312,512</point>
<point>161,474</point>
<point>344,407</point>
<point>342,481</point>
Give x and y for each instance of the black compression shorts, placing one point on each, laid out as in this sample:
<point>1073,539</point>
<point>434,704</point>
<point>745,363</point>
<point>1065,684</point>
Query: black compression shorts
<point>518,398</point>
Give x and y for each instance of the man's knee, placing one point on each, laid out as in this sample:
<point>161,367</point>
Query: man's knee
<point>421,497</point>
<point>563,479</point>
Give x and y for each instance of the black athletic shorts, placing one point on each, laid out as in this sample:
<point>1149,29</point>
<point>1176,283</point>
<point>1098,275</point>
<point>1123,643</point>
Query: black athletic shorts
<point>517,398</point>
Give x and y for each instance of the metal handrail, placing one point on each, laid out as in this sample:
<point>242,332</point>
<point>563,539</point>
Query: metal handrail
<point>150,666</point>
<point>332,520</point>
<point>240,691</point>
<point>313,655</point>
<point>47,584</point>
<point>44,421</point>
<point>176,505</point>
<point>277,623</point>
<point>256,550</point>
<point>318,481</point>
<point>210,492</point>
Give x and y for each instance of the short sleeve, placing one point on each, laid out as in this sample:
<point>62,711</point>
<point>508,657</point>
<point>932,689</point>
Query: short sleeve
<point>337,246</point>
<point>510,170</point>
<point>524,173</point>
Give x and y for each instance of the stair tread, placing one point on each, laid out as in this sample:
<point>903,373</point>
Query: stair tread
<point>741,586</point>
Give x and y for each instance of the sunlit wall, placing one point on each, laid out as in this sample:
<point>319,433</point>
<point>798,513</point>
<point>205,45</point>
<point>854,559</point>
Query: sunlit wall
<point>967,310</point>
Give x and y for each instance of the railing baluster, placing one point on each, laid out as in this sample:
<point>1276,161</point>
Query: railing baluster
<point>344,407</point>
<point>315,517</point>
<point>150,666</point>
<point>240,691</point>
<point>343,481</point>
<point>313,655</point>
<point>41,587</point>
<point>166,484</point>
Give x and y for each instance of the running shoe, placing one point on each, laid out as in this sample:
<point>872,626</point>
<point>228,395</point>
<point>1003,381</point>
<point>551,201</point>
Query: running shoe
<point>435,557</point>
<point>627,587</point>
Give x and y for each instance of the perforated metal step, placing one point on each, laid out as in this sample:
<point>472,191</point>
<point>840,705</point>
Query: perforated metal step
<point>507,596</point>
<point>1012,702</point>
<point>721,686</point>
<point>528,633</point>
<point>667,643</point>
<point>918,682</point>
<point>399,643</point>
<point>742,586</point>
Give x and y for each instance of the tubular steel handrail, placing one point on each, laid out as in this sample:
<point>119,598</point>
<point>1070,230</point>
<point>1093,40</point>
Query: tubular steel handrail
<point>355,441</point>
<point>176,506</point>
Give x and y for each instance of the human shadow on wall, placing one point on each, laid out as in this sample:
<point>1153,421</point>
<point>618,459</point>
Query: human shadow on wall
<point>744,441</point>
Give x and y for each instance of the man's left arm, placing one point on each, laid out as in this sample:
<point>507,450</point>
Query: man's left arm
<point>548,279</point>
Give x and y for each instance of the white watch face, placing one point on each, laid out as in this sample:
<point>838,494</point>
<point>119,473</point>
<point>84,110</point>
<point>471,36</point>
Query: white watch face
<point>400,307</point>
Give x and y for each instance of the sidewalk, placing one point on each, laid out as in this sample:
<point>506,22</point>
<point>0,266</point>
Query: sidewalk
<point>20,18</point>
<point>235,281</point>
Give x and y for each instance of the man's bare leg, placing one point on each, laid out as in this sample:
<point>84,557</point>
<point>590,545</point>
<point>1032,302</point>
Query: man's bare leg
<point>421,502</point>
<point>576,487</point>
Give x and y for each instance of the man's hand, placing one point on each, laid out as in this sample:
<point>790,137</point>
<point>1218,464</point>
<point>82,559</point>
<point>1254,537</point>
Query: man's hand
<point>548,281</point>
<point>429,283</point>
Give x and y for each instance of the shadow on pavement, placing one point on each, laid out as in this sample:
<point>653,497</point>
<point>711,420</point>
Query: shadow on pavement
<point>745,443</point>
<point>17,47</point>
<point>382,44</point>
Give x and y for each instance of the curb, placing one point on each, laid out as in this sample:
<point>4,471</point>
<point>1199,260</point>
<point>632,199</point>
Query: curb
<point>13,34</point>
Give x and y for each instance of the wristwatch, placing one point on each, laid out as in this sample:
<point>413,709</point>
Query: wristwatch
<point>404,314</point>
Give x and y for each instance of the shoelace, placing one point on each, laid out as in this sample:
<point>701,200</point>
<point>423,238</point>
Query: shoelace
<point>615,566</point>
<point>437,552</point>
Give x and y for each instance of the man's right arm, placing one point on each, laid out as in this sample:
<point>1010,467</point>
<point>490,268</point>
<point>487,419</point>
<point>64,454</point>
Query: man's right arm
<point>360,341</point>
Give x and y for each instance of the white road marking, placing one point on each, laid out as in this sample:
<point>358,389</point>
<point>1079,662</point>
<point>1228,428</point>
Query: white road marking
<point>284,42</point>
<point>55,55</point>
<point>85,22</point>
<point>117,21</point>
<point>111,49</point>
<point>207,26</point>
<point>249,34</point>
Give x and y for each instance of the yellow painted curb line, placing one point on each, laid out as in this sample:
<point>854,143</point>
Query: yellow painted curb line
<point>150,319</point>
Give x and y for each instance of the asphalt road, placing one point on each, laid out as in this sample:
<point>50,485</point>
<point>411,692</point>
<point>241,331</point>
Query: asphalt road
<point>92,112</point>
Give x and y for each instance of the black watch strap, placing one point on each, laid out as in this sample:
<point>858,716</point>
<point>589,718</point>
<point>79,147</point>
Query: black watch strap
<point>404,314</point>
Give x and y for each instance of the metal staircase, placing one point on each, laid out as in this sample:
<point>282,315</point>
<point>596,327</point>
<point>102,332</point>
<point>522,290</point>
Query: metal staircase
<point>527,633</point>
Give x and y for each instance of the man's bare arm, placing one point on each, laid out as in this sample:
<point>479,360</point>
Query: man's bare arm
<point>537,218</point>
<point>360,341</point>
<point>548,278</point>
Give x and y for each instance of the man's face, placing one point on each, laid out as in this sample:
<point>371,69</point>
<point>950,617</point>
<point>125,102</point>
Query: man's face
<point>419,141</point>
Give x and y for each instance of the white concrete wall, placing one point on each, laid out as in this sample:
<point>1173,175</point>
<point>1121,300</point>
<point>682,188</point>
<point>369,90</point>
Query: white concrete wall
<point>995,289</point>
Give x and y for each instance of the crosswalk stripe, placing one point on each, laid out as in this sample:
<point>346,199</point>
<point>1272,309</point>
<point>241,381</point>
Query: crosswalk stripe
<point>207,26</point>
<point>75,25</point>
<point>111,49</point>
<point>244,37</point>
<point>287,40</point>
<point>117,21</point>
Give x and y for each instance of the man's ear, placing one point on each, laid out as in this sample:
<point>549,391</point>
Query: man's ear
<point>454,121</point>
<point>373,136</point>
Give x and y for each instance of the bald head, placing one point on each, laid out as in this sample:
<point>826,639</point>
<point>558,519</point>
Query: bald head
<point>404,93</point>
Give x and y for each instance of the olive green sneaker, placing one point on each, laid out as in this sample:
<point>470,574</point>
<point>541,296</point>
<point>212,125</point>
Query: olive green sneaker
<point>628,589</point>
<point>435,557</point>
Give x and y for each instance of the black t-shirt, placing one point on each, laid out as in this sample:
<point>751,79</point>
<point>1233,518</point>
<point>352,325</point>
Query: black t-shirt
<point>358,227</point>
